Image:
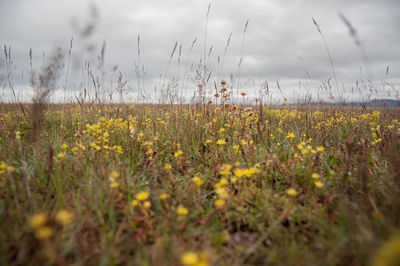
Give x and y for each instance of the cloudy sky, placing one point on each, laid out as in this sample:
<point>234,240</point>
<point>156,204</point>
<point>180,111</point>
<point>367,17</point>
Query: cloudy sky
<point>281,42</point>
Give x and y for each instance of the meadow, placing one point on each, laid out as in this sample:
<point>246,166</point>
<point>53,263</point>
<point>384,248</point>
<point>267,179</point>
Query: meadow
<point>211,184</point>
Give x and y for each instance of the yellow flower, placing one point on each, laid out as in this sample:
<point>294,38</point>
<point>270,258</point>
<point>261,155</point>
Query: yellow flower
<point>300,147</point>
<point>318,184</point>
<point>134,203</point>
<point>114,184</point>
<point>163,196</point>
<point>64,146</point>
<point>190,258</point>
<point>142,196</point>
<point>197,180</point>
<point>219,203</point>
<point>167,167</point>
<point>223,182</point>
<point>221,142</point>
<point>320,148</point>
<point>209,141</point>
<point>118,149</point>
<point>234,179</point>
<point>64,217</point>
<point>182,211</point>
<point>147,204</point>
<point>315,176</point>
<point>291,192</point>
<point>290,135</point>
<point>114,175</point>
<point>60,155</point>
<point>95,146</point>
<point>37,220</point>
<point>225,170</point>
<point>44,232</point>
<point>178,153</point>
<point>147,143</point>
<point>239,172</point>
<point>236,148</point>
<point>251,171</point>
<point>222,193</point>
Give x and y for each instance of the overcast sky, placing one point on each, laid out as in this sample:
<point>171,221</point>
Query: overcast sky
<point>281,42</point>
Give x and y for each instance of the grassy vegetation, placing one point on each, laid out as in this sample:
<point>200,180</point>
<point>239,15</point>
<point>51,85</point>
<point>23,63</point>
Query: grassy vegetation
<point>210,185</point>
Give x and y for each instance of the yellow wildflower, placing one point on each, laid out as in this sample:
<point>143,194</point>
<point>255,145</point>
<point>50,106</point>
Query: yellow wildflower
<point>163,196</point>
<point>291,192</point>
<point>142,196</point>
<point>44,232</point>
<point>190,258</point>
<point>318,184</point>
<point>223,182</point>
<point>222,193</point>
<point>236,148</point>
<point>315,176</point>
<point>64,217</point>
<point>178,153</point>
<point>114,174</point>
<point>134,203</point>
<point>221,142</point>
<point>197,180</point>
<point>147,143</point>
<point>219,203</point>
<point>290,135</point>
<point>167,167</point>
<point>182,211</point>
<point>114,184</point>
<point>37,220</point>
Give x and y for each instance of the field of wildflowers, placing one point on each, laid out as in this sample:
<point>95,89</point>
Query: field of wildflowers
<point>199,185</point>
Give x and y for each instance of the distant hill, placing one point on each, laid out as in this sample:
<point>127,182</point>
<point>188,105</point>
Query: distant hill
<point>372,103</point>
<point>376,103</point>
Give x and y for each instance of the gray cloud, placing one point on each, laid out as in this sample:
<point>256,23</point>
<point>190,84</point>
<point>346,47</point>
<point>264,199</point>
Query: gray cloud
<point>279,33</point>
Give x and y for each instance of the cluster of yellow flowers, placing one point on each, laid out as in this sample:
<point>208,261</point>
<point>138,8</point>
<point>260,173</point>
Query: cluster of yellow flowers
<point>191,258</point>
<point>42,226</point>
<point>318,183</point>
<point>141,200</point>
<point>113,176</point>
<point>5,168</point>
